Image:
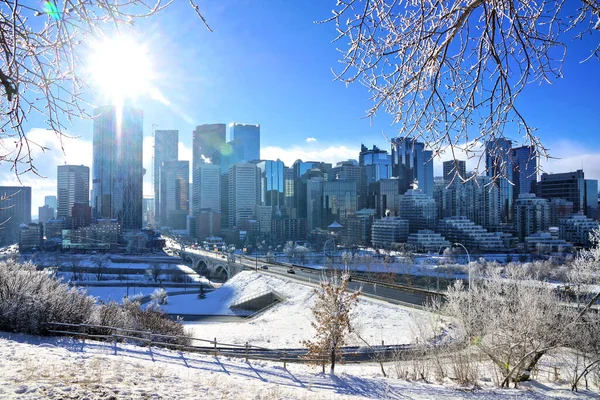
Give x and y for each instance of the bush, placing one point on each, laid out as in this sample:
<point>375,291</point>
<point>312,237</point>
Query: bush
<point>30,298</point>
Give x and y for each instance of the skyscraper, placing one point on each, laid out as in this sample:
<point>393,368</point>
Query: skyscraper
<point>207,188</point>
<point>174,193</point>
<point>50,201</point>
<point>243,192</point>
<point>455,170</point>
<point>567,185</point>
<point>208,142</point>
<point>15,210</point>
<point>118,172</point>
<point>165,149</point>
<point>272,183</point>
<point>244,140</point>
<point>375,165</point>
<point>499,166</point>
<point>410,163</point>
<point>524,160</point>
<point>73,187</point>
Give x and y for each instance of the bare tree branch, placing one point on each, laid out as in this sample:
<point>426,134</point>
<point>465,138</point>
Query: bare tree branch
<point>451,72</point>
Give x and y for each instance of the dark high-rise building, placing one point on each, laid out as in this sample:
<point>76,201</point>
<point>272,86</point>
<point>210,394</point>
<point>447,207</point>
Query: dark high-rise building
<point>14,211</point>
<point>455,170</point>
<point>339,201</point>
<point>524,170</point>
<point>591,198</point>
<point>410,163</point>
<point>81,215</point>
<point>118,173</point>
<point>272,183</point>
<point>303,171</point>
<point>73,187</point>
<point>174,193</point>
<point>45,213</point>
<point>499,166</point>
<point>166,144</point>
<point>568,185</point>
<point>375,165</point>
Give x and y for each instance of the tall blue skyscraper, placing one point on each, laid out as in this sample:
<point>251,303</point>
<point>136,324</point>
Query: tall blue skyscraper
<point>272,183</point>
<point>244,140</point>
<point>410,163</point>
<point>499,165</point>
<point>166,144</point>
<point>117,179</point>
<point>524,161</point>
<point>375,165</point>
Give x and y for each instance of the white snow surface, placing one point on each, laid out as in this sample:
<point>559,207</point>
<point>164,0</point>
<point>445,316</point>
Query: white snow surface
<point>288,323</point>
<point>64,368</point>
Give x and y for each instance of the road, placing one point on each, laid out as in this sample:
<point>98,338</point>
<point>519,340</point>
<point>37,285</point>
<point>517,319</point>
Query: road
<point>394,295</point>
<point>407,297</point>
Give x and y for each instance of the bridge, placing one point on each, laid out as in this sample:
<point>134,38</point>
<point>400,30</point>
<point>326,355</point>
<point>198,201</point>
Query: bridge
<point>220,266</point>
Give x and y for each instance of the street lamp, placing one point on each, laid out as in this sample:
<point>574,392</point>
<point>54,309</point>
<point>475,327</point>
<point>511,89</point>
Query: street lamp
<point>468,260</point>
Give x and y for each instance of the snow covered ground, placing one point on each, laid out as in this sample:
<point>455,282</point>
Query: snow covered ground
<point>288,323</point>
<point>64,368</point>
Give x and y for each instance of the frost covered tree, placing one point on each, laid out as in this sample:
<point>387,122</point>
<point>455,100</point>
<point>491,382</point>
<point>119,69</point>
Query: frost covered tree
<point>290,250</point>
<point>155,271</point>
<point>160,297</point>
<point>450,73</point>
<point>513,320</point>
<point>332,319</point>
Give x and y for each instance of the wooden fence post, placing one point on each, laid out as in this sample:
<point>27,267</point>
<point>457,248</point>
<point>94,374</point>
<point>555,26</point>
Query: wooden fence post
<point>284,360</point>
<point>215,342</point>
<point>246,351</point>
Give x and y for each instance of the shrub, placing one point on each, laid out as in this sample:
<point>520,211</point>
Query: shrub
<point>30,298</point>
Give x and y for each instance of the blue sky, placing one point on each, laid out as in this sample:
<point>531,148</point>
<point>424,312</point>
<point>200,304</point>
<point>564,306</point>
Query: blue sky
<point>267,62</point>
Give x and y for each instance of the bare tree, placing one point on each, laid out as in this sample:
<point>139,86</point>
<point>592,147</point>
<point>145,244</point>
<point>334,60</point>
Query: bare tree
<point>512,319</point>
<point>77,270</point>
<point>155,271</point>
<point>41,64</point>
<point>450,72</point>
<point>100,267</point>
<point>332,318</point>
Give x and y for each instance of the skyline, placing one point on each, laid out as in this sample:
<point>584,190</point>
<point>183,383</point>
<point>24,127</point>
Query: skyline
<point>269,64</point>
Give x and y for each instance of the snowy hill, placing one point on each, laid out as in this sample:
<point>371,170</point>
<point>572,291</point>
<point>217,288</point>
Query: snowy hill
<point>63,368</point>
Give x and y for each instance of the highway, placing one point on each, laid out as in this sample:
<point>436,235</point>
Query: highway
<point>409,297</point>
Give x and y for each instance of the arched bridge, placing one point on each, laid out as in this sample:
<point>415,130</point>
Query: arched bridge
<point>213,266</point>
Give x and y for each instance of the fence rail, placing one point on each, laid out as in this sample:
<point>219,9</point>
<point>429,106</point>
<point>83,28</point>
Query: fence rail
<point>247,351</point>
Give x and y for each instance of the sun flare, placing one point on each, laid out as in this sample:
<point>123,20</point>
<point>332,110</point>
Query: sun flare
<point>120,68</point>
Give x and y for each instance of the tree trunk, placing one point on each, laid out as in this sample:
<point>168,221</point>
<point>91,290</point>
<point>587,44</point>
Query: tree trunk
<point>332,360</point>
<point>526,374</point>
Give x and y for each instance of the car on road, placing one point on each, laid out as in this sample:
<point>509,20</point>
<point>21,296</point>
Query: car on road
<point>291,271</point>
<point>264,267</point>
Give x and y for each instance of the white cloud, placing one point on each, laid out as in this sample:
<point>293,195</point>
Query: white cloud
<point>311,140</point>
<point>570,156</point>
<point>76,151</point>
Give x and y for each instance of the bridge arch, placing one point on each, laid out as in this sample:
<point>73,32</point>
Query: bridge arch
<point>221,272</point>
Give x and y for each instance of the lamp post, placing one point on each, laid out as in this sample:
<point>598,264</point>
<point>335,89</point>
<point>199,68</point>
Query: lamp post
<point>468,261</point>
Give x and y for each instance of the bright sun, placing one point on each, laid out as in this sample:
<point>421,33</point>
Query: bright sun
<point>120,68</point>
